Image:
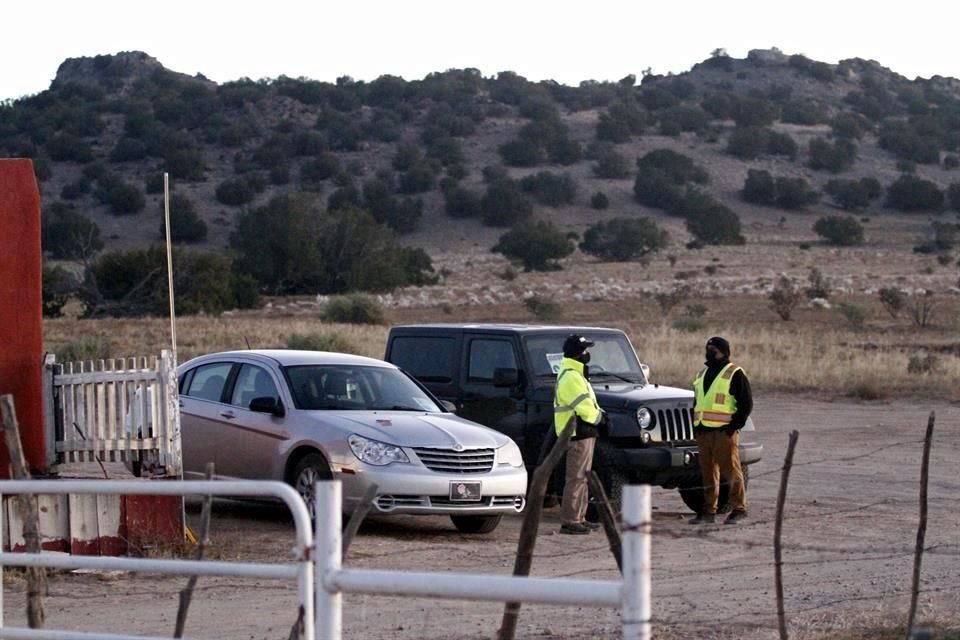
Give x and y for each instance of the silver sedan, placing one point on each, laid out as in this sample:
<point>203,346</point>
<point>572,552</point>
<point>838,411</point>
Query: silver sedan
<point>300,416</point>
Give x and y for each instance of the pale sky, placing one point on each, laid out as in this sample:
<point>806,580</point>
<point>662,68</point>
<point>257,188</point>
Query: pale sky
<point>564,40</point>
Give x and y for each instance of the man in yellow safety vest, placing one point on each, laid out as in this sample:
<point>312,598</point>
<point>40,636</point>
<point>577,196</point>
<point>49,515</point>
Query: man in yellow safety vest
<point>722,402</point>
<point>575,399</point>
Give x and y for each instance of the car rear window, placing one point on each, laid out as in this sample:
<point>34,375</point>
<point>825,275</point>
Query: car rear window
<point>429,359</point>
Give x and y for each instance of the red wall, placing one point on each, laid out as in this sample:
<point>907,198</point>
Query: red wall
<point>21,318</point>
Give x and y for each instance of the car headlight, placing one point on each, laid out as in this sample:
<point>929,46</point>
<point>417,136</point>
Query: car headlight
<point>510,454</point>
<point>644,418</point>
<point>375,452</point>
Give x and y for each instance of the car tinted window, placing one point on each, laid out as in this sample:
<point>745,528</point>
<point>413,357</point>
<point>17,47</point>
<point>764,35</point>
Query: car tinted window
<point>430,359</point>
<point>207,381</point>
<point>317,387</point>
<point>486,355</point>
<point>252,382</point>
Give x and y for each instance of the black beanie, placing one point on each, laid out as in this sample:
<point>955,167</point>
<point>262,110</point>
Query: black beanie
<point>721,344</point>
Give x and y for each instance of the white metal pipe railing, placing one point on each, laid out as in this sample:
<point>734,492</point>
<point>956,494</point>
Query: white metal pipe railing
<point>632,593</point>
<point>302,570</point>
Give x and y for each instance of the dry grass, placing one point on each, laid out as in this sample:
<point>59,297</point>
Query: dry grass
<point>815,352</point>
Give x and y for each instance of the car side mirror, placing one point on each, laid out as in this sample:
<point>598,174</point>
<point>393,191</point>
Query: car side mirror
<point>646,371</point>
<point>505,377</point>
<point>448,406</point>
<point>267,404</point>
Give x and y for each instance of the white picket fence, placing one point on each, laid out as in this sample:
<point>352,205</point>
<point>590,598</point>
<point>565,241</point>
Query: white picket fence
<point>119,410</point>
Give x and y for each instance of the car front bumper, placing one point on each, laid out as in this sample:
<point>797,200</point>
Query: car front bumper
<point>669,466</point>
<point>410,489</point>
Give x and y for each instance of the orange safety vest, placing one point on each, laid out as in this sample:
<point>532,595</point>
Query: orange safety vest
<point>715,407</point>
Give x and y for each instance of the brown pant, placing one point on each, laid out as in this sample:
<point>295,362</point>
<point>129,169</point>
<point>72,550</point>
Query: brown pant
<point>575,489</point>
<point>720,458</point>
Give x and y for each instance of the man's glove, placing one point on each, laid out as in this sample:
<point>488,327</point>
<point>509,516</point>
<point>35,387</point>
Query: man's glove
<point>603,427</point>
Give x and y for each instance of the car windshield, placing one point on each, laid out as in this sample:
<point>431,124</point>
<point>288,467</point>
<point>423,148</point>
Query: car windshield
<point>610,357</point>
<point>356,388</point>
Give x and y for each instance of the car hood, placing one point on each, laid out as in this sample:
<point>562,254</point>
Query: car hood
<point>414,429</point>
<point>615,395</point>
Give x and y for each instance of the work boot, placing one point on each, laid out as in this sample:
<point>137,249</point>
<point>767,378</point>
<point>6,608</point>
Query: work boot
<point>703,518</point>
<point>735,517</point>
<point>575,528</point>
<point>593,526</point>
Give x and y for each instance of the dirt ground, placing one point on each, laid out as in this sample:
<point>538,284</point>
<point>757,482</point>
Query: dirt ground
<point>849,536</point>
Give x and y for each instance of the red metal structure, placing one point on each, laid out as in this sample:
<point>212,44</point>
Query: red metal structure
<point>21,315</point>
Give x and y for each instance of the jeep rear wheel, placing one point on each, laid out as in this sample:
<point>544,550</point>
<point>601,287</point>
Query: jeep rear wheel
<point>475,524</point>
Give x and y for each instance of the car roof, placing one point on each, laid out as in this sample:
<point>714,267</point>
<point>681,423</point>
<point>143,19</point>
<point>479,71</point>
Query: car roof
<point>454,327</point>
<point>293,357</point>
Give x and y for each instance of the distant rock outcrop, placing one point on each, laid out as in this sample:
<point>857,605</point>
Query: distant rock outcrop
<point>111,71</point>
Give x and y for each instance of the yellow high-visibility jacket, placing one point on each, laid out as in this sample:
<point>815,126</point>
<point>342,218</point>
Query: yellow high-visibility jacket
<point>574,396</point>
<point>715,406</point>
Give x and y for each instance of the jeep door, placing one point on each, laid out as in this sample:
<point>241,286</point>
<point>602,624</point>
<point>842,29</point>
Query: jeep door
<point>485,397</point>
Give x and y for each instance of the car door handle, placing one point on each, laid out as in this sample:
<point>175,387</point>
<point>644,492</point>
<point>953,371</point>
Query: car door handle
<point>229,415</point>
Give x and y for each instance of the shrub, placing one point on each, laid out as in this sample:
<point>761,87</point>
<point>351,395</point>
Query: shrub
<point>504,204</point>
<point>805,112</point>
<point>84,349</point>
<point>185,224</point>
<point>68,235</point>
<point>522,152</point>
<point>418,179</point>
<point>678,167</point>
<point>920,308</point>
<point>624,239</point>
<point>953,194</point>
<point>235,192</point>
<point>667,300</point>
<point>835,157</point>
<point>819,285</point>
<point>784,298</point>
<point>462,203</point>
<point>712,223</point>
<point>599,201</point>
<point>543,307</point>
<point>120,197</point>
<point>794,193</point>
<point>910,193</point>
<point>951,161</point>
<point>844,231</point>
<point>74,190</point>
<point>322,167</point>
<point>356,308</point>
<point>331,341</point>
<point>893,301</point>
<point>611,164</point>
<point>854,195</point>
<point>654,188</point>
<point>128,150</point>
<point>855,315</point>
<point>926,364</point>
<point>185,164</point>
<point>755,112</point>
<point>849,126</point>
<point>549,188</point>
<point>537,245</point>
<point>759,187</point>
<point>65,147</point>
<point>747,143</point>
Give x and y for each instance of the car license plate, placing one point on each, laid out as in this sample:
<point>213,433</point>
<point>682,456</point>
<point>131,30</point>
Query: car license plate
<point>464,491</point>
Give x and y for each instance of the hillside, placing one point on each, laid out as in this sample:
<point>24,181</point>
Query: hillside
<point>108,127</point>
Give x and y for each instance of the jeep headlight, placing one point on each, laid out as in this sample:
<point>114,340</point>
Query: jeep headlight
<point>375,452</point>
<point>644,418</point>
<point>510,454</point>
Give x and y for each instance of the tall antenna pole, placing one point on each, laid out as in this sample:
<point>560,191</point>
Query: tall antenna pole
<point>166,217</point>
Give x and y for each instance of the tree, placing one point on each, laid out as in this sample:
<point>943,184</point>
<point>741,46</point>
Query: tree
<point>235,192</point>
<point>759,187</point>
<point>678,167</point>
<point>68,235</point>
<point>844,231</point>
<point>537,244</point>
<point>784,298</point>
<point>504,204</point>
<point>549,188</point>
<point>185,224</point>
<point>854,195</point>
<point>834,158</point>
<point>622,239</point>
<point>910,193</point>
<point>713,223</point>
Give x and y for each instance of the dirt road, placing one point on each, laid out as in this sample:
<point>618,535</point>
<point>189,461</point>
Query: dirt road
<point>852,513</point>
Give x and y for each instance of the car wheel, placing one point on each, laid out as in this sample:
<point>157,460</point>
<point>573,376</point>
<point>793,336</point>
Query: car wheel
<point>475,524</point>
<point>311,468</point>
<point>692,495</point>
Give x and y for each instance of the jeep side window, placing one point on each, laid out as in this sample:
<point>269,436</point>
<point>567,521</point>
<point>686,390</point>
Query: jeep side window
<point>429,359</point>
<point>486,355</point>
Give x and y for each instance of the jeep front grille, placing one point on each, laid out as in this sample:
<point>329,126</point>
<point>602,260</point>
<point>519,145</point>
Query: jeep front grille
<point>450,461</point>
<point>675,424</point>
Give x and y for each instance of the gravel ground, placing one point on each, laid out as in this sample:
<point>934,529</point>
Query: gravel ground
<point>849,535</point>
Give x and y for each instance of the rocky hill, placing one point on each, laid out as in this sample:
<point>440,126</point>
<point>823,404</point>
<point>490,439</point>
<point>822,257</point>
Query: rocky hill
<point>423,156</point>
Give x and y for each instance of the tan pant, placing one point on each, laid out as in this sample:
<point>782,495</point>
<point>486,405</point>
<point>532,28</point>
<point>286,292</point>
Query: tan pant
<point>576,492</point>
<point>720,458</point>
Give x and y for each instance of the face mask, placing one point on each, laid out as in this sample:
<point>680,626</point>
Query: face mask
<point>584,357</point>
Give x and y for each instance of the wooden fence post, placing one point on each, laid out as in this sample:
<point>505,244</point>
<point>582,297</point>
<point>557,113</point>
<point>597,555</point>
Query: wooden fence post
<point>921,527</point>
<point>531,524</point>
<point>29,513</point>
<point>778,530</point>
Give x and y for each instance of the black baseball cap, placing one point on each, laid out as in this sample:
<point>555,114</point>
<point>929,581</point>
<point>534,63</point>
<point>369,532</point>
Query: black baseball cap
<point>574,345</point>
